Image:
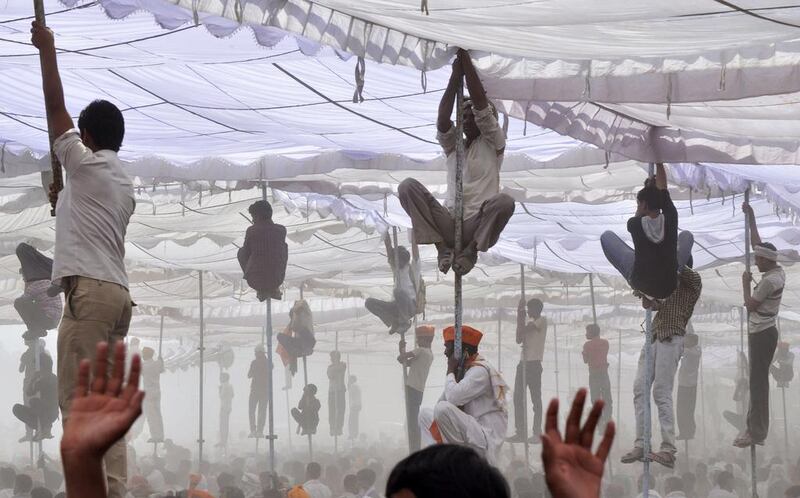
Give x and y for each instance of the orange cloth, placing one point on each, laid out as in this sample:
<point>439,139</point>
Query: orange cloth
<point>298,492</point>
<point>469,335</point>
<point>425,331</point>
<point>285,357</point>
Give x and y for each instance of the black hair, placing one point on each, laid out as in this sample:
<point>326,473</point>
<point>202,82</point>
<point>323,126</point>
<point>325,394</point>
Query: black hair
<point>41,492</point>
<point>314,470</point>
<point>261,210</point>
<point>651,196</point>
<point>103,121</point>
<point>232,492</point>
<point>447,470</point>
<point>535,306</point>
<point>350,483</point>
<point>368,477</point>
<point>22,484</point>
<point>593,329</point>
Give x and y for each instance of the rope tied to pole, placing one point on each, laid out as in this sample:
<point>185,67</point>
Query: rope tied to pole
<point>360,72</point>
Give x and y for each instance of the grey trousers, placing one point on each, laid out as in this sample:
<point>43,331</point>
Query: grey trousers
<point>762,350</point>
<point>600,388</point>
<point>433,223</point>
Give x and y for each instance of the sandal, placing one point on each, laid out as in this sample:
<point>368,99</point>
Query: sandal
<point>445,259</point>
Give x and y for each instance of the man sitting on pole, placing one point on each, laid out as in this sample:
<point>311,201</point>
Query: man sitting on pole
<point>92,215</point>
<point>531,334</point>
<point>652,265</point>
<point>669,328</point>
<point>763,304</point>
<point>419,363</point>
<point>486,210</point>
<point>472,410</point>
<point>397,314</point>
<point>40,310</point>
<point>264,254</point>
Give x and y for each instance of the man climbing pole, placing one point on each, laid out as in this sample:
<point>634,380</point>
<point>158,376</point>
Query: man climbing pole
<point>264,254</point>
<point>595,356</point>
<point>397,314</point>
<point>419,363</point>
<point>486,210</point>
<point>763,303</point>
<point>92,217</point>
<point>531,335</point>
<point>472,410</point>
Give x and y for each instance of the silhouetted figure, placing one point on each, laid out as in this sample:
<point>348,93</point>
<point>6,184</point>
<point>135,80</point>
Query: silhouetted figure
<point>264,254</point>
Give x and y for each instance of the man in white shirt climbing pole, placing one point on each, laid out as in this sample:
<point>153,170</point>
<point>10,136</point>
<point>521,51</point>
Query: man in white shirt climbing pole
<point>486,210</point>
<point>92,217</point>
<point>472,411</point>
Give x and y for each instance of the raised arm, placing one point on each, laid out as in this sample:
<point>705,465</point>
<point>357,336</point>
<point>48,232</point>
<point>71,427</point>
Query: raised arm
<point>755,238</point>
<point>59,119</point>
<point>661,177</point>
<point>444,122</point>
<point>474,85</point>
<point>387,242</point>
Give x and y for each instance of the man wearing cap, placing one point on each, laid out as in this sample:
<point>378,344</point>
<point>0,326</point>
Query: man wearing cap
<point>419,363</point>
<point>762,303</point>
<point>151,380</point>
<point>486,210</point>
<point>259,373</point>
<point>472,411</point>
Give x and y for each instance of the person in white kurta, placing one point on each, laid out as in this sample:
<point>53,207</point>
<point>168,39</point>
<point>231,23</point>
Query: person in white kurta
<point>472,411</point>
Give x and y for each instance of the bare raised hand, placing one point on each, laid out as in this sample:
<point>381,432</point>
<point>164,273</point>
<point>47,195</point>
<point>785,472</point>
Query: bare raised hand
<point>571,469</point>
<point>102,412</point>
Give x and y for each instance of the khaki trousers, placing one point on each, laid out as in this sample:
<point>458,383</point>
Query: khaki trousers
<point>94,311</point>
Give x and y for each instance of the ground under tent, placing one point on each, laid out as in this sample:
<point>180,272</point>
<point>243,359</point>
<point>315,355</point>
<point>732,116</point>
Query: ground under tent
<point>330,164</point>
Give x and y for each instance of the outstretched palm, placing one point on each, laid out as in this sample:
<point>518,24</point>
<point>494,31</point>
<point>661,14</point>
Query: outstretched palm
<point>571,470</point>
<point>102,413</point>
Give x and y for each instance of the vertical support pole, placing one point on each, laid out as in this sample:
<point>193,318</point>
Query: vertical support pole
<point>619,374</point>
<point>202,373</point>
<point>459,218</point>
<point>55,166</point>
<point>305,384</point>
<point>702,401</point>
<point>499,338</point>
<point>594,306</point>
<point>160,359</point>
<point>648,368</point>
<point>558,371</point>
<point>336,403</point>
<point>648,372</point>
<point>271,437</point>
<point>402,338</point>
<point>749,352</point>
<point>524,386</point>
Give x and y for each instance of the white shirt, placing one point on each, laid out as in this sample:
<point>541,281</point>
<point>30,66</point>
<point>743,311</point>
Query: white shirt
<point>475,395</point>
<point>533,341</point>
<point>316,489</point>
<point>768,292</point>
<point>151,375</point>
<point>419,368</point>
<point>481,175</point>
<point>690,366</point>
<point>92,213</point>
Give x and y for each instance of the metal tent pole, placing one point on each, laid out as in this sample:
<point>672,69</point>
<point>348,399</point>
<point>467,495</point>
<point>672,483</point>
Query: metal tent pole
<point>619,373</point>
<point>524,386</point>
<point>202,373</point>
<point>271,437</point>
<point>55,166</point>
<point>160,359</point>
<point>499,338</point>
<point>702,401</point>
<point>305,384</point>
<point>648,369</point>
<point>558,371</point>
<point>403,366</point>
<point>336,404</point>
<point>749,352</point>
<point>594,306</point>
<point>459,219</point>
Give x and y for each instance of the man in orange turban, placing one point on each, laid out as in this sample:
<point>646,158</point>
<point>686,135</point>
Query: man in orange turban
<point>472,410</point>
